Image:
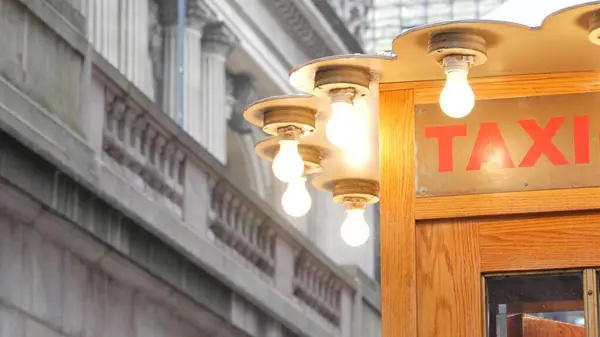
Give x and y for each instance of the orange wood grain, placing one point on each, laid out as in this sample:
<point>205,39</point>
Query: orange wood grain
<point>540,327</point>
<point>505,87</point>
<point>397,223</point>
<point>539,243</point>
<point>448,279</point>
<point>543,201</point>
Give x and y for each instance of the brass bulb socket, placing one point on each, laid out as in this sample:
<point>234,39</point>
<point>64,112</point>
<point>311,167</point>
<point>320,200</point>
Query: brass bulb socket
<point>446,44</point>
<point>355,188</point>
<point>594,30</point>
<point>289,132</point>
<point>334,78</point>
<point>301,118</point>
<point>355,203</point>
<point>342,95</point>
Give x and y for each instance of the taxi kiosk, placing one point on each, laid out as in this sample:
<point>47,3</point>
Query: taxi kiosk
<point>490,221</point>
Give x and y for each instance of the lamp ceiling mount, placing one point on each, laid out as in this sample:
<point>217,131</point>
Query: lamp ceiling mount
<point>346,189</point>
<point>335,78</point>
<point>442,45</point>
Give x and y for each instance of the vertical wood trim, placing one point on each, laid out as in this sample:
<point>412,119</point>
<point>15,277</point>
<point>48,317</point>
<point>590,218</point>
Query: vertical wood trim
<point>485,309</point>
<point>590,298</point>
<point>449,279</point>
<point>397,223</point>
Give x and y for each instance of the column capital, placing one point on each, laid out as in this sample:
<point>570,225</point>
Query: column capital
<point>218,38</point>
<point>197,15</point>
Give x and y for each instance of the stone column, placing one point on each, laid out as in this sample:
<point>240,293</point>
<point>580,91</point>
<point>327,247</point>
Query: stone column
<point>134,56</point>
<point>197,16</point>
<point>118,30</point>
<point>217,42</point>
<point>103,27</point>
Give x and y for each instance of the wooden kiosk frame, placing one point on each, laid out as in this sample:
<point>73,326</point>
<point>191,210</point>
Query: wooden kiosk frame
<point>437,250</point>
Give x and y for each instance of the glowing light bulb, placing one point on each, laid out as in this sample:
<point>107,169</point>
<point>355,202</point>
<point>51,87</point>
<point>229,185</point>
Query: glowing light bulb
<point>296,200</point>
<point>288,165</point>
<point>341,124</point>
<point>457,98</point>
<point>355,230</point>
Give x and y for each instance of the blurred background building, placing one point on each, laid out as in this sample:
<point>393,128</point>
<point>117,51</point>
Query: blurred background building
<point>388,18</point>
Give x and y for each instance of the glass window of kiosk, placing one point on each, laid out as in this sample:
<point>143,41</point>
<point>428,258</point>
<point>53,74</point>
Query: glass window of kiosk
<point>541,305</point>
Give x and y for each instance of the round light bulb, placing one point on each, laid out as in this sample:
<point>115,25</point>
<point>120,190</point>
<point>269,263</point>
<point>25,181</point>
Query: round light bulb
<point>296,200</point>
<point>288,165</point>
<point>340,126</point>
<point>457,98</point>
<point>355,230</point>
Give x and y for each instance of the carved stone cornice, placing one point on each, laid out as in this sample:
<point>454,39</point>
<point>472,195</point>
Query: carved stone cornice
<point>348,18</point>
<point>198,14</point>
<point>353,13</point>
<point>298,26</point>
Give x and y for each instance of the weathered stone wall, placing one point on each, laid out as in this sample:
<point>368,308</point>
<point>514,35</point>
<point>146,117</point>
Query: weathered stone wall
<point>33,57</point>
<point>47,291</point>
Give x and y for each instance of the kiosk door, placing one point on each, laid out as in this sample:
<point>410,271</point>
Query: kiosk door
<point>508,276</point>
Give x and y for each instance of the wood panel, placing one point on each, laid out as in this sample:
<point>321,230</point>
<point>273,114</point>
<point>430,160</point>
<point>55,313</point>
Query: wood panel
<point>540,327</point>
<point>448,279</point>
<point>397,223</point>
<point>505,87</point>
<point>544,201</point>
<point>539,243</point>
<point>531,326</point>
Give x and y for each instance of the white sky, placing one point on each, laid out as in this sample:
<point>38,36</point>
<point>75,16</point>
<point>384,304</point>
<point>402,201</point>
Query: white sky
<point>530,12</point>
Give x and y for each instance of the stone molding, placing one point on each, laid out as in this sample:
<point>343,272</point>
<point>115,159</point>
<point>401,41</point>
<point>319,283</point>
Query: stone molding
<point>198,14</point>
<point>217,38</point>
<point>354,14</point>
<point>298,26</point>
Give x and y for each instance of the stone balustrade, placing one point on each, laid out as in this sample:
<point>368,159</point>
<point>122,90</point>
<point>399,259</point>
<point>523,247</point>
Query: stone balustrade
<point>132,141</point>
<point>317,287</point>
<point>242,227</point>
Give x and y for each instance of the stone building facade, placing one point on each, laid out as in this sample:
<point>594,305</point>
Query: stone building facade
<point>235,52</point>
<point>116,221</point>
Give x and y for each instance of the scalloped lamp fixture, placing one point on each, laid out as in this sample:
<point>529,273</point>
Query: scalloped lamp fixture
<point>310,126</point>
